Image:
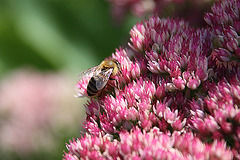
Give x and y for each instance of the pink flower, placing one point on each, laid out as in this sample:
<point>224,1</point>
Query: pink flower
<point>178,96</point>
<point>146,145</point>
<point>142,8</point>
<point>137,37</point>
<point>221,113</point>
<point>225,22</point>
<point>32,107</point>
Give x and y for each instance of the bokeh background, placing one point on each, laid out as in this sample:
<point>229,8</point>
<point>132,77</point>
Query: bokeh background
<point>44,44</point>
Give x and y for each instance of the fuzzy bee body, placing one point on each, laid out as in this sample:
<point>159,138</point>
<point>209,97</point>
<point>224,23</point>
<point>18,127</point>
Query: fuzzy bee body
<point>101,75</point>
<point>97,83</point>
<point>91,87</point>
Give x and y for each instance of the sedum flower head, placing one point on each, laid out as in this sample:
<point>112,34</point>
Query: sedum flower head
<point>224,21</point>
<point>174,100</point>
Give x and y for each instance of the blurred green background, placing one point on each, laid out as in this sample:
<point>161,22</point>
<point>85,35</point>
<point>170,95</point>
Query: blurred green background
<point>58,34</point>
<point>52,37</point>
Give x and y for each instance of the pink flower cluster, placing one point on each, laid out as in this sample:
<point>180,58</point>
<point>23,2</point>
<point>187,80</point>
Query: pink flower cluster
<point>225,22</point>
<point>217,116</point>
<point>30,109</point>
<point>139,145</point>
<point>176,100</point>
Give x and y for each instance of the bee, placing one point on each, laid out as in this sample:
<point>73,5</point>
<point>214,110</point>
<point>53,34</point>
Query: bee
<point>101,74</point>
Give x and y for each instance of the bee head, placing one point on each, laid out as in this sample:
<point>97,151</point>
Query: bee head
<point>114,64</point>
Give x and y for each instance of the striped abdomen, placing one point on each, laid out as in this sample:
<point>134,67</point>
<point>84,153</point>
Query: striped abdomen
<point>91,88</point>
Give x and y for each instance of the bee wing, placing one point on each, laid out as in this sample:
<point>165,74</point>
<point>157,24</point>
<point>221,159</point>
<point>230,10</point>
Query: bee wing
<point>103,79</point>
<point>89,72</point>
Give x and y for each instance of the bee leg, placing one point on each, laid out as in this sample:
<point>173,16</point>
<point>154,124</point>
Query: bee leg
<point>118,87</point>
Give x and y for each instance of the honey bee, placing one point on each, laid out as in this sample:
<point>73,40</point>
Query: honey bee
<point>100,76</point>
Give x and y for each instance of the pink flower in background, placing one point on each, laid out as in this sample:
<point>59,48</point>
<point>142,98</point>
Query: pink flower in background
<point>191,11</point>
<point>176,101</point>
<point>32,106</point>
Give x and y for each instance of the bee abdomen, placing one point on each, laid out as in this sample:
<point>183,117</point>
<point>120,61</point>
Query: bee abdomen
<point>91,88</point>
